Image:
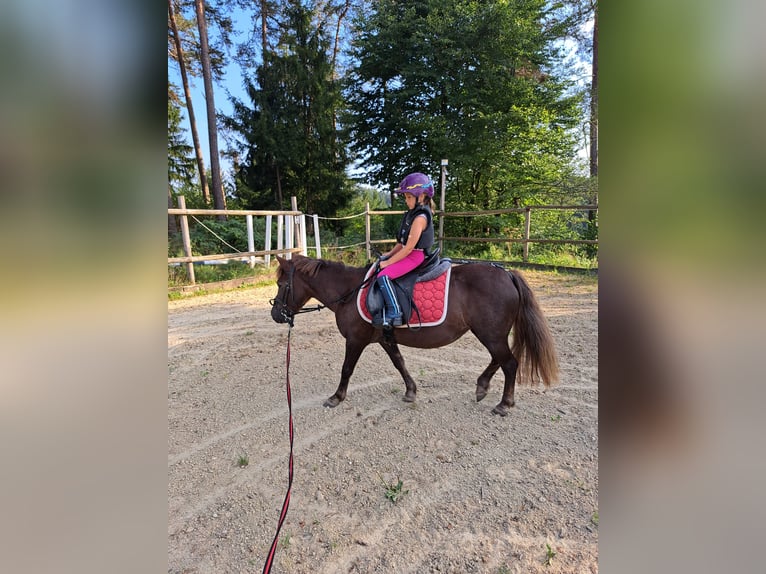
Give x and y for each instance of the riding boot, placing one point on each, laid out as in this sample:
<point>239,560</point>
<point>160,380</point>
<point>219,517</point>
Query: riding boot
<point>392,314</point>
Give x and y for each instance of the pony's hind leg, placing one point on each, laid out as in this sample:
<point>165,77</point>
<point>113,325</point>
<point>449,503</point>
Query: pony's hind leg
<point>389,344</point>
<point>353,352</point>
<point>509,370</point>
<point>501,358</point>
<point>482,383</point>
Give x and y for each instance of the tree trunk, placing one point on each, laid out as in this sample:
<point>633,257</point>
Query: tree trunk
<point>219,200</point>
<point>336,44</point>
<point>264,28</point>
<point>335,50</point>
<point>594,111</point>
<point>594,101</point>
<point>189,106</point>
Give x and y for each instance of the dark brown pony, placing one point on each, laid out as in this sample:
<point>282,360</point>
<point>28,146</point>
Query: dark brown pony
<point>485,299</point>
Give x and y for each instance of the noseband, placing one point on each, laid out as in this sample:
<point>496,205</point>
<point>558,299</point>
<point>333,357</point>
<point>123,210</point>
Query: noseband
<point>284,310</point>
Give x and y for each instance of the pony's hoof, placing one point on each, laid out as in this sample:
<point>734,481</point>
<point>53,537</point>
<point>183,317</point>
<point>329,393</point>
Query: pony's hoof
<point>332,402</point>
<point>409,397</point>
<point>480,394</point>
<point>501,410</point>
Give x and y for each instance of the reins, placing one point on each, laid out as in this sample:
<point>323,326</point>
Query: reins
<point>289,319</point>
<point>286,503</point>
<point>289,315</point>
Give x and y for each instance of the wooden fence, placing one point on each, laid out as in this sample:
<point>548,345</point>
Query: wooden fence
<point>291,235</point>
<point>525,239</point>
<point>291,232</point>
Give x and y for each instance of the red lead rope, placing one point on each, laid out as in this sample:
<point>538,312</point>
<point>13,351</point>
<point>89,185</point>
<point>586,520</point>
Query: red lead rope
<point>286,503</point>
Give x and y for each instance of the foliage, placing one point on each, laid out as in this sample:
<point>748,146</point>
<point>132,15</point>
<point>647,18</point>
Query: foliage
<point>353,230</point>
<point>208,236</point>
<point>463,80</point>
<point>177,275</point>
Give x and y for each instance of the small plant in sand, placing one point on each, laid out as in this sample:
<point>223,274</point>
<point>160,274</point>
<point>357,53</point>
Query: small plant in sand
<point>393,491</point>
<point>285,542</point>
<point>549,555</point>
<point>243,461</point>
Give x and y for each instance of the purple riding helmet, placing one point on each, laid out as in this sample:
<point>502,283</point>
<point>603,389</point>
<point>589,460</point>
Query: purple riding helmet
<point>416,184</point>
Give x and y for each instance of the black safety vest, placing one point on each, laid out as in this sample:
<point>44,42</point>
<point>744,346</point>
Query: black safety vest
<point>427,237</point>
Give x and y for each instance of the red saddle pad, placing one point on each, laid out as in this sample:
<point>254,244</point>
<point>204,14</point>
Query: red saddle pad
<point>429,297</point>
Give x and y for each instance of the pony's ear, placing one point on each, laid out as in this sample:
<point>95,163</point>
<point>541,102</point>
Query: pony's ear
<point>281,261</point>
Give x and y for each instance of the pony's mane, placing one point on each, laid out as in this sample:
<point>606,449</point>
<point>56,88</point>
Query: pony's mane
<point>311,267</point>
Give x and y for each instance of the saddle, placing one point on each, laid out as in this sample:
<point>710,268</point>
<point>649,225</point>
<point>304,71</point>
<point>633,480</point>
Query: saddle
<point>415,292</point>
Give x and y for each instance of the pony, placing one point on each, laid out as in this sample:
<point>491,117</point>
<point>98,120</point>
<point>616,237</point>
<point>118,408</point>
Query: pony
<point>484,298</point>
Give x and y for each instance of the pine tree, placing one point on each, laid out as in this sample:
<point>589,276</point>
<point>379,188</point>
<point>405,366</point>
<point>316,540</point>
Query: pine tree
<point>177,53</point>
<point>293,144</point>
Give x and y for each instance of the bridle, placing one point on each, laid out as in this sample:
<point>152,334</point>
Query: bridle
<point>284,306</point>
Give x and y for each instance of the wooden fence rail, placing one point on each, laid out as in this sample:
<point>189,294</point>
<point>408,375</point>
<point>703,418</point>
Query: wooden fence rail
<point>291,231</point>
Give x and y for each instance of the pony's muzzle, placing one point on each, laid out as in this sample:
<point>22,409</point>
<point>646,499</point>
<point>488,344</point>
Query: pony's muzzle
<point>280,313</point>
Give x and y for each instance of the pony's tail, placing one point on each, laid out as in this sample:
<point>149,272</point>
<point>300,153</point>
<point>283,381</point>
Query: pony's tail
<point>532,341</point>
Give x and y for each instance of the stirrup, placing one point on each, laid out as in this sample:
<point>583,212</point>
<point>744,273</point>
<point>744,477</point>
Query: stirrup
<point>389,322</point>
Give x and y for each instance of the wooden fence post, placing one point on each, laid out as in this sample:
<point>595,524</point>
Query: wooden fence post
<point>290,231</point>
<point>280,232</point>
<point>186,239</point>
<point>316,236</point>
<point>442,203</point>
<point>367,229</point>
<point>304,239</point>
<point>250,240</point>
<point>527,225</point>
<point>296,235</point>
<point>267,241</point>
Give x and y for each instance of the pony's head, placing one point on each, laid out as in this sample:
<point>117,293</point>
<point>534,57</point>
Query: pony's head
<point>293,289</point>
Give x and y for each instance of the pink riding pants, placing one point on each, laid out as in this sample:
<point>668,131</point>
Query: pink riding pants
<point>415,258</point>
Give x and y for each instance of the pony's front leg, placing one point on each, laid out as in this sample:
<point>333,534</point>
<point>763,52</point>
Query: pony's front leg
<point>353,352</point>
<point>389,344</point>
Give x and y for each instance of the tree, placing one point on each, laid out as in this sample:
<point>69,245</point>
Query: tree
<point>177,53</point>
<point>292,145</point>
<point>219,200</point>
<point>180,164</point>
<point>594,101</point>
<point>464,80</point>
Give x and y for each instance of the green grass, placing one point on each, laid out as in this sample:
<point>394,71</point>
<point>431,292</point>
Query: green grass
<point>264,277</point>
<point>178,276</point>
<point>243,461</point>
<point>563,260</point>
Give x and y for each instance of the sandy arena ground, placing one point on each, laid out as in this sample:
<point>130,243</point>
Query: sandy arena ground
<point>480,493</point>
